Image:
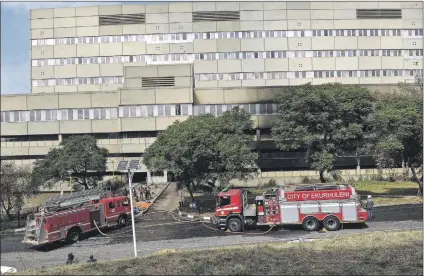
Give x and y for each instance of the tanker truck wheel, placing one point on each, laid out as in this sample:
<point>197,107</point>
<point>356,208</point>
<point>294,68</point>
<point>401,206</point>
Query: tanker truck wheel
<point>234,224</point>
<point>73,235</point>
<point>122,221</point>
<point>331,223</point>
<point>310,224</point>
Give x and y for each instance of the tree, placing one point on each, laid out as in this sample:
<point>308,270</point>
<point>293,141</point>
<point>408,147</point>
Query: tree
<point>205,149</point>
<point>16,185</point>
<point>398,129</point>
<point>78,157</point>
<point>326,119</point>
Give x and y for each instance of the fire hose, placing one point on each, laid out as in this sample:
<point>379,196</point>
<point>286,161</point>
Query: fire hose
<point>181,220</point>
<point>215,229</point>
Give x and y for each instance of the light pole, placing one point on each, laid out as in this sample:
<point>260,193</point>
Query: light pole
<point>130,168</point>
<point>130,176</point>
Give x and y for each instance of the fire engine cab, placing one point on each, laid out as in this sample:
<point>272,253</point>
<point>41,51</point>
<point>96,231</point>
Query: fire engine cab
<point>308,205</point>
<point>68,217</point>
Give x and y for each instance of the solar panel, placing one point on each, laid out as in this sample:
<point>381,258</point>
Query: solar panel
<point>134,165</point>
<point>122,166</point>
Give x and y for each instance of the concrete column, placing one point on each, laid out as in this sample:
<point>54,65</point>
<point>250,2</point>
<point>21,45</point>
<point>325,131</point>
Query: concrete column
<point>165,176</point>
<point>149,178</point>
<point>60,138</point>
<point>358,162</point>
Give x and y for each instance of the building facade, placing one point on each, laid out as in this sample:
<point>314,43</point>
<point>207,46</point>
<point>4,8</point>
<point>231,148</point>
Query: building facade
<point>124,72</point>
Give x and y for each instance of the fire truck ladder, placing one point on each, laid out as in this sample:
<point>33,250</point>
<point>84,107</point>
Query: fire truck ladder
<point>75,199</point>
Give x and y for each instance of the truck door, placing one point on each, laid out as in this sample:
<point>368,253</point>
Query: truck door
<point>112,212</point>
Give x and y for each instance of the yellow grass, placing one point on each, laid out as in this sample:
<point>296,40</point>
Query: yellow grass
<point>378,253</point>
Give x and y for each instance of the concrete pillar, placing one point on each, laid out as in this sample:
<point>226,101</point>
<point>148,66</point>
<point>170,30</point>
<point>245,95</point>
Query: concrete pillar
<point>149,178</point>
<point>165,176</point>
<point>60,138</point>
<point>358,162</point>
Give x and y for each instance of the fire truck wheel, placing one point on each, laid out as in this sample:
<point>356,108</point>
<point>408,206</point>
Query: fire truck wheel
<point>331,223</point>
<point>122,221</point>
<point>73,235</point>
<point>234,224</point>
<point>310,224</point>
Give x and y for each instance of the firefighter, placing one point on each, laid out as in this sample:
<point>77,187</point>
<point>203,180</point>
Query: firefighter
<point>70,259</point>
<point>369,205</point>
<point>147,193</point>
<point>91,259</point>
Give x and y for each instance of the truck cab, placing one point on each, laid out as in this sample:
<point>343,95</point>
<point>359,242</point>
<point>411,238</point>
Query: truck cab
<point>233,211</point>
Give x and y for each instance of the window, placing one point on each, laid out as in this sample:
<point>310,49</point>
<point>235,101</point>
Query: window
<point>167,110</point>
<point>252,108</point>
<point>96,113</point>
<point>223,201</point>
<point>160,110</point>
<point>150,110</point>
<point>111,205</point>
<point>177,110</point>
<point>133,111</point>
<point>219,110</point>
<point>103,113</point>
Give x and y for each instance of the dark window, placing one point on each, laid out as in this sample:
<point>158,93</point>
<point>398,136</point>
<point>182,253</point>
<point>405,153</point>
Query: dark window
<point>224,201</point>
<point>111,205</point>
<point>178,109</point>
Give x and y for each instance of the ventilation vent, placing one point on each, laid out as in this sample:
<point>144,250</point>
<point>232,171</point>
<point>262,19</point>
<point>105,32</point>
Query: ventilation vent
<point>378,14</point>
<point>122,19</point>
<point>216,16</point>
<point>157,81</point>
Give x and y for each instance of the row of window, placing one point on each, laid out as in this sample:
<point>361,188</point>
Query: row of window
<point>151,59</point>
<point>238,76</point>
<point>189,37</point>
<point>78,81</point>
<point>129,111</point>
<point>55,137</point>
<point>309,74</point>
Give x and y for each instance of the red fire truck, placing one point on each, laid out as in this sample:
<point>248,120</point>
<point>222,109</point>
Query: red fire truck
<point>68,217</point>
<point>308,205</point>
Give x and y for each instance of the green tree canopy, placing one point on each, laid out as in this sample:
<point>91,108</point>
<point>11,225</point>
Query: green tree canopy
<point>398,129</point>
<point>78,157</point>
<point>326,119</point>
<point>16,185</point>
<point>205,149</point>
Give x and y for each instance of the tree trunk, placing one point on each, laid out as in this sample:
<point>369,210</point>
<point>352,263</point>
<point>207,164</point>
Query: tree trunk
<point>418,180</point>
<point>19,217</point>
<point>321,176</point>
<point>187,184</point>
<point>85,185</point>
<point>9,215</point>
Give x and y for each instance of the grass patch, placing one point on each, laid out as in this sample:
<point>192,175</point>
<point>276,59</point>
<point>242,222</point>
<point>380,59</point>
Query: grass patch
<point>378,253</point>
<point>390,201</point>
<point>386,188</point>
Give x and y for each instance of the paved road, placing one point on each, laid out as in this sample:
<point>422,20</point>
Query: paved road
<point>161,226</point>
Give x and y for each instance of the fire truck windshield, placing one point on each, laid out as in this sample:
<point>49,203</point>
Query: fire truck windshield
<point>222,201</point>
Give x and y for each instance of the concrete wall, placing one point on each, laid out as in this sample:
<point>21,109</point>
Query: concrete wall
<point>176,18</point>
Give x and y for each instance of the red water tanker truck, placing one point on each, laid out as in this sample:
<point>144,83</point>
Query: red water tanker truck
<point>311,206</point>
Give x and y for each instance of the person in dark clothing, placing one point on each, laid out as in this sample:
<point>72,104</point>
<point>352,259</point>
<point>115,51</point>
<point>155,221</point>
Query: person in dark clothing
<point>91,259</point>
<point>70,259</point>
<point>369,205</point>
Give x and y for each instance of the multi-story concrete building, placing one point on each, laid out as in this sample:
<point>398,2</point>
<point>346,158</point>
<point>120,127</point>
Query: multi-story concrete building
<point>125,72</point>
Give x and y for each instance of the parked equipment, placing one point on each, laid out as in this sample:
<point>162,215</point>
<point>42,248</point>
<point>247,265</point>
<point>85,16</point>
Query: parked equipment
<point>68,217</point>
<point>312,206</point>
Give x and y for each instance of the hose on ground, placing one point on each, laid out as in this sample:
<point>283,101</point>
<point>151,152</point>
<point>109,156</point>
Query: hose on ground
<point>216,229</point>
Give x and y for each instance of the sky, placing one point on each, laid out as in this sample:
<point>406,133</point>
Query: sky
<point>15,35</point>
